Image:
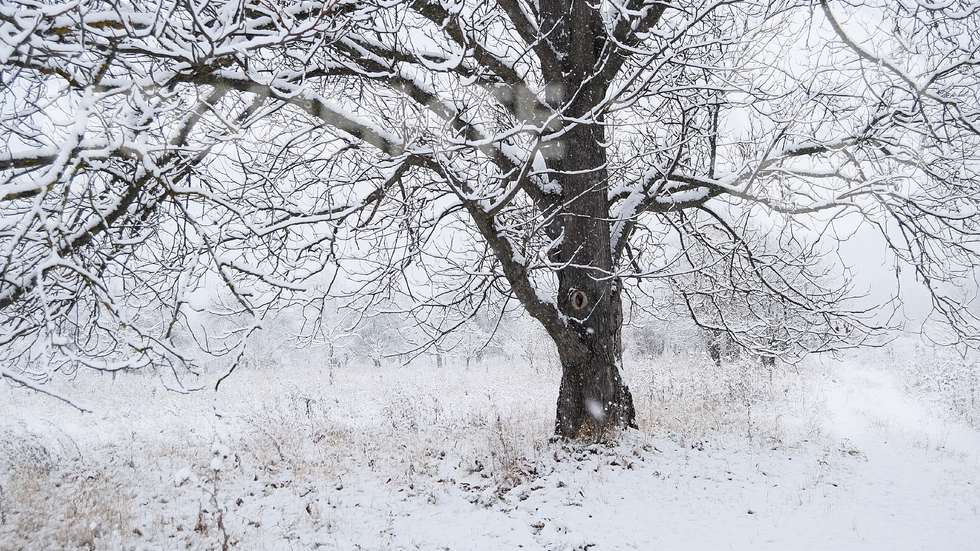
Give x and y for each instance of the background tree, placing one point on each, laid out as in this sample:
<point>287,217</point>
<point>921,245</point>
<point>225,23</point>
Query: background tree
<point>446,156</point>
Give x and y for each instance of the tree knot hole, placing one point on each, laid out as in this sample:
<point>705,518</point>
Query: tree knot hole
<point>579,300</point>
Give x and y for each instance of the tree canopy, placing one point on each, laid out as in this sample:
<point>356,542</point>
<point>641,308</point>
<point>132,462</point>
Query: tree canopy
<point>448,155</point>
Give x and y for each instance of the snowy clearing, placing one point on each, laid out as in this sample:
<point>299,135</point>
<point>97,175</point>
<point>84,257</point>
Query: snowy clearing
<point>852,454</point>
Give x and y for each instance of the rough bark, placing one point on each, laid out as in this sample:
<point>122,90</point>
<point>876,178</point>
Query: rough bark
<point>593,398</point>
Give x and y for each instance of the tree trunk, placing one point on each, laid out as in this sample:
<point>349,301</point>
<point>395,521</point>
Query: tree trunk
<point>593,398</point>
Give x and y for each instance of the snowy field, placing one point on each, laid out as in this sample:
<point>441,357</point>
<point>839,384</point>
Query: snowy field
<point>875,451</point>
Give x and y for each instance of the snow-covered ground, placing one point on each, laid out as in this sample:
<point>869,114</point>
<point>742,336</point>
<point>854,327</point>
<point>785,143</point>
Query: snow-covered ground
<point>859,453</point>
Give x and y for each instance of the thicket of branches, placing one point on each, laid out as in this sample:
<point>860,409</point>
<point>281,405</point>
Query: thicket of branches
<point>421,155</point>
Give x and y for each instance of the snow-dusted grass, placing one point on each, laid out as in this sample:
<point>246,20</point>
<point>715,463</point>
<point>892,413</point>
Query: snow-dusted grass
<point>943,377</point>
<point>691,400</point>
<point>142,464</point>
<point>816,456</point>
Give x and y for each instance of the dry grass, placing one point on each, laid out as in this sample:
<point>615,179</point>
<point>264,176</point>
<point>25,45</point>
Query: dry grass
<point>291,433</point>
<point>694,401</point>
<point>53,500</point>
<point>140,475</point>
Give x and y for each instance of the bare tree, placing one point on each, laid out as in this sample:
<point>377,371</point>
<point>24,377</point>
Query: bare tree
<point>446,156</point>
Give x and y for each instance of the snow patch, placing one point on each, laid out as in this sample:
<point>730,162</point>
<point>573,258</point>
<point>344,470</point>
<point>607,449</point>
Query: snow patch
<point>184,475</point>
